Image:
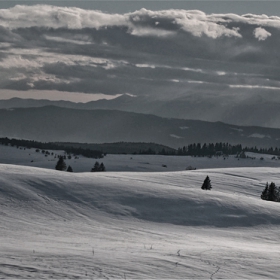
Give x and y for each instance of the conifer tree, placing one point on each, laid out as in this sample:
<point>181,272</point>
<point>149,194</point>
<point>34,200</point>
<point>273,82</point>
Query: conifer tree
<point>61,165</point>
<point>271,193</point>
<point>101,167</point>
<point>264,194</point>
<point>95,167</point>
<point>206,184</point>
<point>69,169</point>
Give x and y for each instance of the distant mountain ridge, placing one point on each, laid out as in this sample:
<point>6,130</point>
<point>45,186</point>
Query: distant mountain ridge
<point>27,103</point>
<point>238,110</point>
<point>51,124</point>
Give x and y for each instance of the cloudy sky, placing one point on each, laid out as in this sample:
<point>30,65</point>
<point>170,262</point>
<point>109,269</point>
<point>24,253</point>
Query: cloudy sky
<point>163,51</point>
<point>268,7</point>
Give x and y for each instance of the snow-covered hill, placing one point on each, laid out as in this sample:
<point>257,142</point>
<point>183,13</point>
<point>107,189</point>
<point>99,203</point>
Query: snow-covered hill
<point>124,225</point>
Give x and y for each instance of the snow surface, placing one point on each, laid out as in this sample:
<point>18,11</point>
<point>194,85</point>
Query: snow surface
<point>137,225</point>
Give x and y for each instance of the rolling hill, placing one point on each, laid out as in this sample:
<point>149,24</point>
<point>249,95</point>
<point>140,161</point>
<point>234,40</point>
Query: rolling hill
<point>137,225</point>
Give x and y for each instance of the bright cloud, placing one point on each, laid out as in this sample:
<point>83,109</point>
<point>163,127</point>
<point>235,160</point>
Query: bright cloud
<point>254,87</point>
<point>65,40</point>
<point>261,34</point>
<point>57,17</point>
<point>35,58</point>
<point>139,23</point>
<point>195,22</point>
<point>145,66</point>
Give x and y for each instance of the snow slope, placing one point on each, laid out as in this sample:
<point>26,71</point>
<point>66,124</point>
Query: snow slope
<point>135,225</point>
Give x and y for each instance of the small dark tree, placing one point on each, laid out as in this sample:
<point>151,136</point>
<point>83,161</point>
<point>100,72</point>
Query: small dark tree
<point>61,165</point>
<point>207,184</point>
<point>95,167</point>
<point>98,167</point>
<point>69,169</point>
<point>271,193</point>
<point>101,167</point>
<point>264,194</point>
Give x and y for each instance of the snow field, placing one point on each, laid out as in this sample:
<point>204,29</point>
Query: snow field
<point>135,225</point>
<point>141,163</point>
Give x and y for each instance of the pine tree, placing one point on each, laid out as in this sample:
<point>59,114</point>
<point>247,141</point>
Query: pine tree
<point>61,165</point>
<point>272,192</point>
<point>69,169</point>
<point>95,167</point>
<point>264,194</point>
<point>101,167</point>
<point>207,184</point>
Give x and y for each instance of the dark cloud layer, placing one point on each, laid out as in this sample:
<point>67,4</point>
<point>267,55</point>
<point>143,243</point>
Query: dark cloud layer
<point>160,54</point>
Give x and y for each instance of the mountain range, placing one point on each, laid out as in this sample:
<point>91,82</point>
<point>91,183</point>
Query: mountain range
<point>252,110</point>
<point>51,123</point>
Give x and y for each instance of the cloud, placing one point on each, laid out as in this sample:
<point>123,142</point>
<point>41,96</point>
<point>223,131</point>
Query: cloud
<point>196,82</point>
<point>65,40</point>
<point>145,66</point>
<point>192,69</point>
<point>139,23</point>
<point>144,53</point>
<point>35,58</point>
<point>261,34</point>
<point>254,87</point>
<point>57,17</point>
<point>221,73</point>
<point>17,61</point>
<point>198,24</point>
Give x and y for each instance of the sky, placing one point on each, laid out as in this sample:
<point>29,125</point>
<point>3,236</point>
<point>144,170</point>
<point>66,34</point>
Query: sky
<point>267,7</point>
<point>163,51</point>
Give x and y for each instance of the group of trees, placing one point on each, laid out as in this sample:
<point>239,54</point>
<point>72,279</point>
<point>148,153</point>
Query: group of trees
<point>98,167</point>
<point>90,153</point>
<point>61,166</point>
<point>271,192</point>
<point>210,149</point>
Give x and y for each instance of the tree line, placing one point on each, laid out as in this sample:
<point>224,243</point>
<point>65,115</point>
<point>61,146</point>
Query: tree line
<point>52,146</point>
<point>211,149</point>
<point>194,149</point>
